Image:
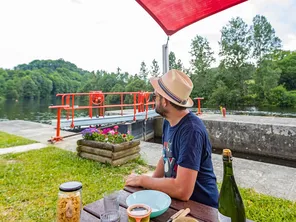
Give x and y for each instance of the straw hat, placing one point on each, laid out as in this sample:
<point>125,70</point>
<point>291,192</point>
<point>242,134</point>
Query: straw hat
<point>175,86</point>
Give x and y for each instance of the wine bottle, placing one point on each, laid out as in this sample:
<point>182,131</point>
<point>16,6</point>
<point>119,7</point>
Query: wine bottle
<point>231,207</point>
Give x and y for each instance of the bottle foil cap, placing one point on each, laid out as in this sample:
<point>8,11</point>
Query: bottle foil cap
<point>227,152</point>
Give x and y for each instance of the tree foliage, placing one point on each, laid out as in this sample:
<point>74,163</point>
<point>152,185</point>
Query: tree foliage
<point>201,61</point>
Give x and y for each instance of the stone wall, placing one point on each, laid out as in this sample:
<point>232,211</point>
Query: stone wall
<point>263,139</point>
<point>250,135</point>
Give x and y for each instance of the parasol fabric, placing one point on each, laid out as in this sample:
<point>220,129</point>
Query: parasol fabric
<point>173,15</point>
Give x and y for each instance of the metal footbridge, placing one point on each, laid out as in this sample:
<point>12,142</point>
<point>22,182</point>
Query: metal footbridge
<point>105,120</point>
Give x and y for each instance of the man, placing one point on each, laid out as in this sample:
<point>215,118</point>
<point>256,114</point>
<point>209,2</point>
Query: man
<point>185,170</point>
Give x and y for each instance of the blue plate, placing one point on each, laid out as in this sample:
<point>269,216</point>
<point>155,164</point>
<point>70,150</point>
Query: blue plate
<point>158,201</point>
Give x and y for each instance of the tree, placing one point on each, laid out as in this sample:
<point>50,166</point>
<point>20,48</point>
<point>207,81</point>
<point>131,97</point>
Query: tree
<point>235,43</point>
<point>202,55</point>
<point>143,72</point>
<point>235,52</point>
<point>11,92</point>
<point>172,60</point>
<point>118,71</point>
<point>264,40</point>
<point>288,67</point>
<point>266,77</point>
<point>202,58</point>
<point>155,68</point>
<point>174,63</point>
<point>3,77</point>
<point>29,88</point>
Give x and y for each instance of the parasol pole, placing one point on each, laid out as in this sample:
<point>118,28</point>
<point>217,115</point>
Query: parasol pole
<point>165,57</point>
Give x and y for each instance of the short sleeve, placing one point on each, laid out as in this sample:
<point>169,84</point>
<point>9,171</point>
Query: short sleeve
<point>190,150</point>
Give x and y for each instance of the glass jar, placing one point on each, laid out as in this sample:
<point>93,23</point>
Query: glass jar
<point>69,202</point>
<point>139,213</point>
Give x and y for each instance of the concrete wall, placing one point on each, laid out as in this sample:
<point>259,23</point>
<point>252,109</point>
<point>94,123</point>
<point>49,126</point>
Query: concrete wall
<point>138,128</point>
<point>261,138</point>
<point>157,126</point>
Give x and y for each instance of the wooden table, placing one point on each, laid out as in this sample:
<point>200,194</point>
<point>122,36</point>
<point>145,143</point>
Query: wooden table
<point>203,213</point>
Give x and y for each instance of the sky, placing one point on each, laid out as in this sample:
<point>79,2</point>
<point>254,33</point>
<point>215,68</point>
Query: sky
<point>106,34</point>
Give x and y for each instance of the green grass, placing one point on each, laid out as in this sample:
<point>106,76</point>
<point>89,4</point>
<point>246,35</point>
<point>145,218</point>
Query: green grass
<point>260,207</point>
<point>29,181</point>
<point>9,140</point>
<point>29,186</point>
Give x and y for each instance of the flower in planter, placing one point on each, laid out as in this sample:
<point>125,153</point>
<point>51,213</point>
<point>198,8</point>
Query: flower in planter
<point>106,135</point>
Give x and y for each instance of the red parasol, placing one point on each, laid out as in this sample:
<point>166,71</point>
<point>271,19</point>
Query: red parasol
<point>173,15</point>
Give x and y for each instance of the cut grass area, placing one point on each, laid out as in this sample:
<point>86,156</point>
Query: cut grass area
<point>29,185</point>
<point>29,181</point>
<point>9,140</point>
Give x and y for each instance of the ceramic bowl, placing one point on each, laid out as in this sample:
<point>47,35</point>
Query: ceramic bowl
<point>158,201</point>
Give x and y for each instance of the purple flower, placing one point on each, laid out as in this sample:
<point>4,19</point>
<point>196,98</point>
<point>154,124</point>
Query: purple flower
<point>89,131</point>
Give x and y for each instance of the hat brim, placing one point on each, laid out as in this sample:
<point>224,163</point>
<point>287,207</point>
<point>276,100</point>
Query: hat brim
<point>155,85</point>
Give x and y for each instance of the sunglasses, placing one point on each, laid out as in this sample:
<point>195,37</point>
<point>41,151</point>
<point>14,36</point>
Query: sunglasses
<point>154,95</point>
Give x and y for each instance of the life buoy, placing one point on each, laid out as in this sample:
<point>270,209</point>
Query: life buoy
<point>97,99</point>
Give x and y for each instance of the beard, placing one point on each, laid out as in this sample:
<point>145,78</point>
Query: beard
<point>161,110</point>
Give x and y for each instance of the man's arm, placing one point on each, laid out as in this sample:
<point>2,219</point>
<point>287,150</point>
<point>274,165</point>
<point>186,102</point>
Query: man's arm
<point>159,171</point>
<point>180,187</point>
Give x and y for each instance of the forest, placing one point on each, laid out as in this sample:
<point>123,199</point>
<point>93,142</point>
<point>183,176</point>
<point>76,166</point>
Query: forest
<point>253,70</point>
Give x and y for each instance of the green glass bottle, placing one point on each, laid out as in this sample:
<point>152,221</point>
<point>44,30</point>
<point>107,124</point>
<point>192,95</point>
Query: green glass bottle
<point>231,206</point>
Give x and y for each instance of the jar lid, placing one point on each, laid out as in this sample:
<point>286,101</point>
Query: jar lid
<point>70,186</point>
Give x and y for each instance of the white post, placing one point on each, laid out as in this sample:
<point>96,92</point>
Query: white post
<point>165,58</point>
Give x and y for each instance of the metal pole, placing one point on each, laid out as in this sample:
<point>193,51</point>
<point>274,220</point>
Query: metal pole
<point>165,58</point>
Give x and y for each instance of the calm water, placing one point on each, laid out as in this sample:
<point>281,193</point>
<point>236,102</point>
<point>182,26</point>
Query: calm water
<point>33,110</point>
<point>38,111</point>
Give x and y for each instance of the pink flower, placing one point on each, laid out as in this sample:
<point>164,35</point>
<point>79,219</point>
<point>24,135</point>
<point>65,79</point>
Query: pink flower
<point>116,127</point>
<point>112,132</point>
<point>105,131</point>
<point>128,132</point>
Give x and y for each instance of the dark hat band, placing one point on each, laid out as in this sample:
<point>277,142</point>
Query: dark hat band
<point>170,94</point>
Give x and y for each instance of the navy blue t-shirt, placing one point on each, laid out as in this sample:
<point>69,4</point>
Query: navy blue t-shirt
<point>187,145</point>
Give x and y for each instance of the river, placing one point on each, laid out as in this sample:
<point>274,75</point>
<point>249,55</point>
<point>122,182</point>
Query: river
<point>38,110</point>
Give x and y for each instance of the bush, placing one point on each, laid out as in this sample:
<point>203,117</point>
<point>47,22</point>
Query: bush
<point>279,96</point>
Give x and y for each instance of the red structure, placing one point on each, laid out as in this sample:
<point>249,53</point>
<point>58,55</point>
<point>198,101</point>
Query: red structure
<point>96,100</point>
<point>198,105</point>
<point>172,15</point>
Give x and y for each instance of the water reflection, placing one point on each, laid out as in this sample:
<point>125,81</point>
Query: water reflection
<point>34,110</point>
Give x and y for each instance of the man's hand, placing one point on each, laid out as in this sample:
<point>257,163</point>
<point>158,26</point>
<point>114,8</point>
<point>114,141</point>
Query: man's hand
<point>133,180</point>
<point>174,187</point>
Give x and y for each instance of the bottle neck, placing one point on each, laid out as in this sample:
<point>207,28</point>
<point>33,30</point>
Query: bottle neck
<point>227,164</point>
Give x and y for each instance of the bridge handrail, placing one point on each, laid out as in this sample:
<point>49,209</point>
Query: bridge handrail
<point>141,103</point>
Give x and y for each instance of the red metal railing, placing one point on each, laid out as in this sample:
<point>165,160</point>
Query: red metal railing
<point>96,100</point>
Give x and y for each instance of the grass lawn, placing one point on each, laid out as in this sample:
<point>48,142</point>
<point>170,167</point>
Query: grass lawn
<point>29,185</point>
<point>29,181</point>
<point>9,140</point>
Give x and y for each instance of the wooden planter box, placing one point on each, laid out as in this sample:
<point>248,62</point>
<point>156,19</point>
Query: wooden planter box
<point>114,154</point>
